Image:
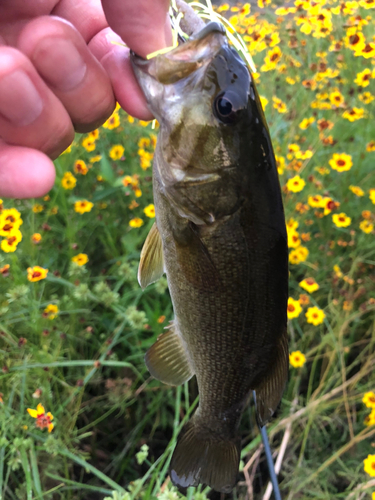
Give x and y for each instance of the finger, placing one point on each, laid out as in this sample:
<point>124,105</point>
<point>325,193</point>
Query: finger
<point>143,24</point>
<point>24,172</point>
<point>61,57</point>
<point>30,114</point>
<point>87,16</point>
<point>115,60</point>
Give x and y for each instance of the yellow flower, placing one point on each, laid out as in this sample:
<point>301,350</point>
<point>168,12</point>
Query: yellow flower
<point>367,4</point>
<point>10,244</point>
<point>133,204</point>
<point>116,152</point>
<point>94,134</point>
<point>36,273</point>
<point>295,184</point>
<point>315,315</point>
<point>341,220</point>
<point>322,170</point>
<point>51,311</point>
<point>354,114</point>
<point>306,122</point>
<point>303,155</point>
<point>363,78</point>
<point>336,98</point>
<point>136,222</point>
<point>367,51</point>
<point>10,220</point>
<point>95,159</point>
<point>291,225</point>
<point>341,162</point>
<point>80,167</point>
<point>37,208</point>
<point>357,190</point>
<point>366,226</point>
<point>293,239</point>
<point>366,214</point>
<point>309,284</point>
<point>272,58</point>
<point>279,105</point>
<point>4,271</point>
<point>370,420</point>
<point>144,142</point>
<point>297,359</point>
<point>129,180</point>
<point>137,192</point>
<point>294,308</point>
<point>145,160</point>
<point>149,211</point>
<point>263,101</point>
<point>298,255</point>
<point>81,259</point>
<point>369,399</point>
<point>89,143</point>
<point>370,146</point>
<point>280,163</point>
<point>68,181</point>
<point>369,465</point>
<point>43,419</point>
<point>83,206</point>
<point>315,201</point>
<point>366,97</point>
<point>36,238</point>
<point>328,204</point>
<point>338,272</point>
<point>372,196</point>
<point>113,121</point>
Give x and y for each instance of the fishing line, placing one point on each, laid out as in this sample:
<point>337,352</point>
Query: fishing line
<point>267,450</point>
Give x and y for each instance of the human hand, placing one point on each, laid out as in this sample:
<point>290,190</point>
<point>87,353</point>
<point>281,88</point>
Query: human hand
<point>60,71</point>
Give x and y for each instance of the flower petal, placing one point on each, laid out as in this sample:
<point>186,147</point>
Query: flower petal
<point>32,413</point>
<point>40,409</point>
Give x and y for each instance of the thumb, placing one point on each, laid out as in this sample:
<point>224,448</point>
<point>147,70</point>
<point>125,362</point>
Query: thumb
<point>142,24</point>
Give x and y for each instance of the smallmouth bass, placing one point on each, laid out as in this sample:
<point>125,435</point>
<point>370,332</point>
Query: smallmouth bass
<point>220,237</point>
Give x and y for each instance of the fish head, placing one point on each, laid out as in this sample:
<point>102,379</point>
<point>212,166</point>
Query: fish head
<point>214,149</point>
<point>201,93</point>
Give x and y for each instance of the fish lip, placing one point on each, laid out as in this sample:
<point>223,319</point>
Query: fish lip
<point>186,58</point>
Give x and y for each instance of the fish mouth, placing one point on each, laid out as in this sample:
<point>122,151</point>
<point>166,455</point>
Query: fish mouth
<point>170,67</point>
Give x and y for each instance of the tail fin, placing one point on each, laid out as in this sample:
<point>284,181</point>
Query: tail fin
<point>202,456</point>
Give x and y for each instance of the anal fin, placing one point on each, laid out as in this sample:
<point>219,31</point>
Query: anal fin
<point>270,390</point>
<point>151,265</point>
<point>167,360</point>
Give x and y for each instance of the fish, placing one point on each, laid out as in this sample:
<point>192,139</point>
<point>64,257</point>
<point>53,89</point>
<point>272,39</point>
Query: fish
<point>220,237</point>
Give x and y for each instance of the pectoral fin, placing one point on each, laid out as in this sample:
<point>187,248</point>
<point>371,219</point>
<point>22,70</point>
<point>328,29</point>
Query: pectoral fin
<point>270,389</point>
<point>167,360</point>
<point>151,265</point>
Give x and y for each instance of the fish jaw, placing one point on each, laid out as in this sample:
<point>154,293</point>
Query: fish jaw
<point>163,77</point>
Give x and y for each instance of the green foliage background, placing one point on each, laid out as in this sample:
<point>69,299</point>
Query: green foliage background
<point>85,365</point>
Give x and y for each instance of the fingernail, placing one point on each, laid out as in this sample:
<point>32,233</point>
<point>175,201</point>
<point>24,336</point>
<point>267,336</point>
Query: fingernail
<point>59,63</point>
<point>20,102</point>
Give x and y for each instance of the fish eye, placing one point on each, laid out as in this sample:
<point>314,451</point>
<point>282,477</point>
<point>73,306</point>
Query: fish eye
<point>226,108</point>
